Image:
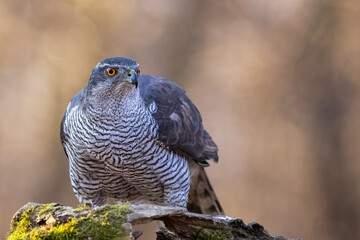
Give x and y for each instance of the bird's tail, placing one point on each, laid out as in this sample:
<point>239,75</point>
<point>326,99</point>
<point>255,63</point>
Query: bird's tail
<point>202,198</point>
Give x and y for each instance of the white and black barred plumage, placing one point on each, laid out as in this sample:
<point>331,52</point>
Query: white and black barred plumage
<point>137,138</point>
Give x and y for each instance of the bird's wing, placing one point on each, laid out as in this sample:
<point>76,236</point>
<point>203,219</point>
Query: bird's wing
<point>73,103</point>
<point>179,121</point>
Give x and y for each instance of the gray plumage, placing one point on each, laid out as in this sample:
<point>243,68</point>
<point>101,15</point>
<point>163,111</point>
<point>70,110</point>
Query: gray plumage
<point>137,138</point>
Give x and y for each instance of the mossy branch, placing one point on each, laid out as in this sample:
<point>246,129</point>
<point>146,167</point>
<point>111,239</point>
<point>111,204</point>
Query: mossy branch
<point>54,221</point>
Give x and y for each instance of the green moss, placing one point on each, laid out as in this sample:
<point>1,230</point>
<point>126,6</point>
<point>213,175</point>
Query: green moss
<point>213,235</point>
<point>22,227</point>
<point>81,208</point>
<point>103,223</point>
<point>48,208</point>
<point>106,222</point>
<point>62,231</point>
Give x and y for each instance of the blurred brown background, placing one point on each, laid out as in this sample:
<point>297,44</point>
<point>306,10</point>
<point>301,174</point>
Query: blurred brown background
<point>277,83</point>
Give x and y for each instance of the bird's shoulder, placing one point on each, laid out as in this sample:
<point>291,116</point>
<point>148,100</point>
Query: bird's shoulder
<point>179,121</point>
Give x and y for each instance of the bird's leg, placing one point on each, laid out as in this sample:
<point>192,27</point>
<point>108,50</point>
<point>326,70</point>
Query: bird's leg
<point>94,200</point>
<point>99,200</point>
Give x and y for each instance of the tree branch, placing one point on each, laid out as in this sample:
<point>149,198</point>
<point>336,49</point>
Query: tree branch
<point>54,221</point>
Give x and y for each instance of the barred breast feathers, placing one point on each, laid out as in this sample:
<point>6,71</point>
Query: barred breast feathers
<point>127,146</point>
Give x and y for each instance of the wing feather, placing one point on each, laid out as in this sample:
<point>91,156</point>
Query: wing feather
<point>179,121</point>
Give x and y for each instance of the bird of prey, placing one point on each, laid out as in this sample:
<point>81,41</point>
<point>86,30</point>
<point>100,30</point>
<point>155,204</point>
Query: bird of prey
<point>137,138</point>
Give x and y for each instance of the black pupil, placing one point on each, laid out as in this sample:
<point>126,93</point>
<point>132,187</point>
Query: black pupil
<point>111,71</point>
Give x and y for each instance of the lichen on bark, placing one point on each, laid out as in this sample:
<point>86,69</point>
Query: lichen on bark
<point>105,222</point>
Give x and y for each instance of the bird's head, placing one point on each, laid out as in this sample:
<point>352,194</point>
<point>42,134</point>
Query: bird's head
<point>116,74</point>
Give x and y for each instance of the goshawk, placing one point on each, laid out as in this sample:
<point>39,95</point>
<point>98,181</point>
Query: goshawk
<point>137,138</point>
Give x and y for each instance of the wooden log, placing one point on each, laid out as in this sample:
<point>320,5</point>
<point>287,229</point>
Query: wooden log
<point>54,221</point>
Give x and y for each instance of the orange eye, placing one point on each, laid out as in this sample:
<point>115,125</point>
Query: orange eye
<point>111,71</point>
<point>138,71</point>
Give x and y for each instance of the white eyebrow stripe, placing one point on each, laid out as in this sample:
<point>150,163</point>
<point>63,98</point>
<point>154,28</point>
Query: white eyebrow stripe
<point>100,65</point>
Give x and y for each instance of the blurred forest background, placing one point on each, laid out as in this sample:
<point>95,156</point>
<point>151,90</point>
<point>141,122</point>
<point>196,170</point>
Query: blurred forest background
<point>277,83</point>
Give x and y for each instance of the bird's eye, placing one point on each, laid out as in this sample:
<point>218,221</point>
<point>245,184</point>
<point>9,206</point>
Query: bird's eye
<point>110,71</point>
<point>138,71</point>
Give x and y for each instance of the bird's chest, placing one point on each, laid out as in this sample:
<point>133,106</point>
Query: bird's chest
<point>121,140</point>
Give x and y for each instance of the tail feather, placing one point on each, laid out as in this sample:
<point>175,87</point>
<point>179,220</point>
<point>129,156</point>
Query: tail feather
<point>202,198</point>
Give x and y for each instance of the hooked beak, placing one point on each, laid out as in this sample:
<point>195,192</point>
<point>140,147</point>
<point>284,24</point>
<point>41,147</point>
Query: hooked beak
<point>132,77</point>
